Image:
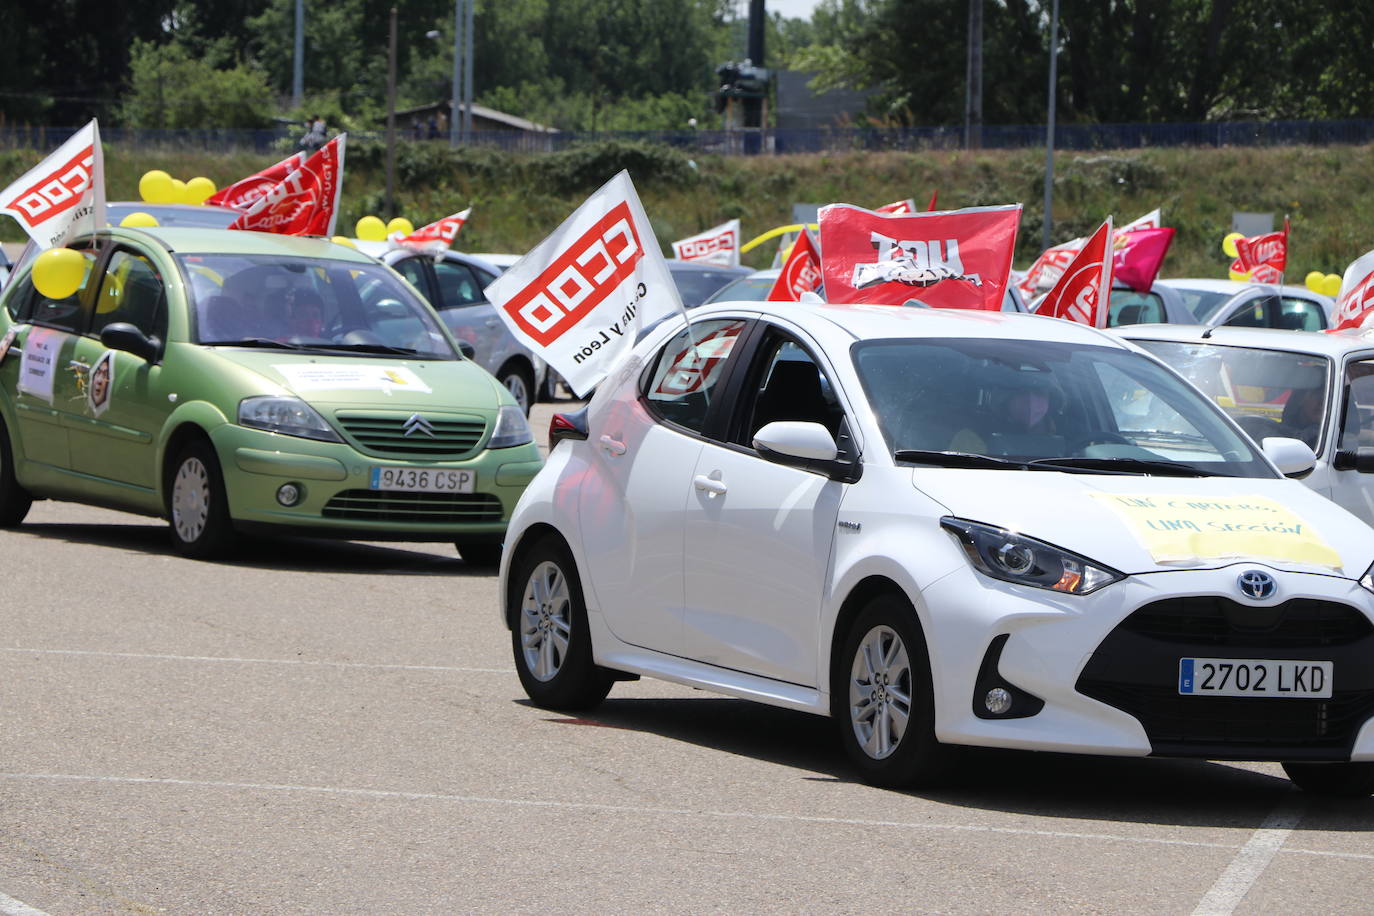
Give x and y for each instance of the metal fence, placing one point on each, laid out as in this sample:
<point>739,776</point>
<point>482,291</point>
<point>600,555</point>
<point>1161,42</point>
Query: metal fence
<point>769,141</point>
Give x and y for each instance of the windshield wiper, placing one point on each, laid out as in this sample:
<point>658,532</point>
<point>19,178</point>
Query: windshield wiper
<point>1127,466</point>
<point>365,348</point>
<point>962,460</point>
<point>254,342</point>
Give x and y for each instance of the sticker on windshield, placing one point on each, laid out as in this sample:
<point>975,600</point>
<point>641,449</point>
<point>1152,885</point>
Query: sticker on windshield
<point>1180,529</point>
<point>37,367</point>
<point>101,386</point>
<point>314,377</point>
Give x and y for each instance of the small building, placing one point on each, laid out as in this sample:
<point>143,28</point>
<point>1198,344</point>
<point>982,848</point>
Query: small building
<point>431,122</point>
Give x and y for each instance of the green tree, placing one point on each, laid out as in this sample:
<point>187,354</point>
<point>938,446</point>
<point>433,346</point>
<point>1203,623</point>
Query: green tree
<point>169,87</point>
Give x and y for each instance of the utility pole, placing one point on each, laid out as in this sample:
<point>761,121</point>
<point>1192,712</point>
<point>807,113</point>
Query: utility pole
<point>298,67</point>
<point>973,82</point>
<point>455,123</point>
<point>467,73</point>
<point>1049,127</point>
<point>391,117</point>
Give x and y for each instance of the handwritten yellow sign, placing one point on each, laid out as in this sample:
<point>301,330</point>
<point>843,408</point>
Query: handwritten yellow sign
<point>1183,529</point>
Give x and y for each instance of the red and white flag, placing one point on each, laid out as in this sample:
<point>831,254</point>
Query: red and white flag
<point>64,194</point>
<point>1263,257</point>
<point>305,202</point>
<point>946,259</point>
<point>243,193</point>
<point>1047,269</point>
<point>1084,292</point>
<point>437,236</point>
<point>580,297</point>
<point>1355,302</point>
<point>714,246</point>
<point>1139,254</point>
<point>800,274</point>
<point>898,207</point>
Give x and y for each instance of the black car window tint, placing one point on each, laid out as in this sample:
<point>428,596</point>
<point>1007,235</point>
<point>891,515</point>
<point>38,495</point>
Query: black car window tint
<point>413,269</point>
<point>457,285</point>
<point>1357,428</point>
<point>132,291</point>
<point>786,384</point>
<point>688,370</point>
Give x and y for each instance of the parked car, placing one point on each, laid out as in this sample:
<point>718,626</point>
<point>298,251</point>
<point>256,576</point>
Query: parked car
<point>245,382</point>
<point>697,282</point>
<point>941,532</point>
<point>454,283</point>
<point>1315,387</point>
<point>1217,303</point>
<point>202,216</point>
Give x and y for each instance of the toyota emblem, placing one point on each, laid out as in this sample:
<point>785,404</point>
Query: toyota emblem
<point>1256,584</point>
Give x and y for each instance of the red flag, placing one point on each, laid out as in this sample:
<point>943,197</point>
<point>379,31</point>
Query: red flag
<point>1355,302</point>
<point>947,259</point>
<point>933,194</point>
<point>243,193</point>
<point>305,202</point>
<point>1263,257</point>
<point>1139,254</point>
<point>898,207</point>
<point>437,235</point>
<point>801,273</point>
<point>1084,291</point>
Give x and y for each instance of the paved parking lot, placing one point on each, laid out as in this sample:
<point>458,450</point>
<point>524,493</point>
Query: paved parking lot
<point>337,728</point>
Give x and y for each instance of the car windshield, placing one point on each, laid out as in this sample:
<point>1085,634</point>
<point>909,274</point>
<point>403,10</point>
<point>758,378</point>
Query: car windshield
<point>316,304</point>
<point>745,289</point>
<point>1268,392</point>
<point>994,403</point>
<point>194,217</point>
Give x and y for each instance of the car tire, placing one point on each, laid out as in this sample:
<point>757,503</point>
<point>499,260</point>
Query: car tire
<point>882,700</point>
<point>519,381</point>
<point>550,637</point>
<point>197,508</point>
<point>484,555</point>
<point>1345,780</point>
<point>14,499</point>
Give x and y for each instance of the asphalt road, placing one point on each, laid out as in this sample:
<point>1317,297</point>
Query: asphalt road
<point>320,727</point>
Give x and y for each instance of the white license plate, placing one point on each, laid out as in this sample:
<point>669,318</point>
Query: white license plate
<point>1254,677</point>
<point>423,480</point>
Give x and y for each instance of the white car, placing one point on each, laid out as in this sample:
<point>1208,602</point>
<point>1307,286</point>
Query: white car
<point>1315,387</point>
<point>1246,305</point>
<point>945,528</point>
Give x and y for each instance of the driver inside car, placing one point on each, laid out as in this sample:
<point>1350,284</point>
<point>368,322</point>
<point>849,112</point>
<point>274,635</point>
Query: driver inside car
<point>304,314</point>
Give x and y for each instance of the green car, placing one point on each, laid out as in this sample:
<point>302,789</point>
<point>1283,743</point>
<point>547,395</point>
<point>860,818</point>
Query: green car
<point>241,382</point>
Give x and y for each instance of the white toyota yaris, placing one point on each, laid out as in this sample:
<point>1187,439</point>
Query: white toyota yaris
<point>946,528</point>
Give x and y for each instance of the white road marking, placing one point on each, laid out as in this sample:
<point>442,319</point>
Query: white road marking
<point>258,661</point>
<point>647,811</point>
<point>11,907</point>
<point>1254,857</point>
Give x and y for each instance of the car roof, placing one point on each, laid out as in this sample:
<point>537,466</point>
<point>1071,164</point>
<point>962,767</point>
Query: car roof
<point>1209,285</point>
<point>239,241</point>
<point>389,253</point>
<point>1317,343</point>
<point>867,322</point>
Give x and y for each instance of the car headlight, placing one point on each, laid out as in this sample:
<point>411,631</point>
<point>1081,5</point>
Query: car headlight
<point>288,416</point>
<point>1013,557</point>
<point>511,428</point>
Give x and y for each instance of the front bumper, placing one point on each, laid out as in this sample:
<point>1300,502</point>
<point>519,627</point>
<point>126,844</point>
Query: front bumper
<point>334,479</point>
<point>1106,665</point>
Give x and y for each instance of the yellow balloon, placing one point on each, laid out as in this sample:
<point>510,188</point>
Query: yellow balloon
<point>1238,276</point>
<point>199,189</point>
<point>1228,244</point>
<point>400,224</point>
<point>1314,279</point>
<point>370,229</point>
<point>343,240</point>
<point>139,220</point>
<point>156,187</point>
<point>1331,285</point>
<point>178,191</point>
<point>59,272</point>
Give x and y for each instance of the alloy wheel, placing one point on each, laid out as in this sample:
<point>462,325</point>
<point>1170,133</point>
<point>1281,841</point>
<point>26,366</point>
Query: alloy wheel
<point>880,692</point>
<point>545,621</point>
<point>515,384</point>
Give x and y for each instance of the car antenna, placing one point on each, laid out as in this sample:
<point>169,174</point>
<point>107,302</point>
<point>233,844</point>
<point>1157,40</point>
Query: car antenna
<point>1207,334</point>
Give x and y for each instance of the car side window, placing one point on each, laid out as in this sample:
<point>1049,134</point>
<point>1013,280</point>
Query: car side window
<point>786,383</point>
<point>1260,312</point>
<point>457,285</point>
<point>1301,315</point>
<point>68,314</point>
<point>689,368</point>
<point>413,269</point>
<point>1132,307</point>
<point>132,291</point>
<point>1357,426</point>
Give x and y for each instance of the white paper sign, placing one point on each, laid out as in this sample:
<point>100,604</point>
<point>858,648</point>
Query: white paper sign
<point>314,377</point>
<point>64,194</point>
<point>38,367</point>
<point>580,297</point>
<point>714,246</point>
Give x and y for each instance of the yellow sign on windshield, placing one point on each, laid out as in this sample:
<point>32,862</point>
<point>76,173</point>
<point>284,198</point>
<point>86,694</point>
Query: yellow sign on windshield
<point>1183,529</point>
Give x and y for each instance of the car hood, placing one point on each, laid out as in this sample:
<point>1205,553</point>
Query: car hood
<point>370,381</point>
<point>1138,524</point>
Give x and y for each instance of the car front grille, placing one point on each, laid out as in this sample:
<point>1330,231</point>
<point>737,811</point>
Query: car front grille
<point>1298,623</point>
<point>449,436</point>
<point>430,508</point>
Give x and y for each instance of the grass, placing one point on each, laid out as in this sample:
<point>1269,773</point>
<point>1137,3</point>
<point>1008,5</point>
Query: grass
<point>1327,192</point>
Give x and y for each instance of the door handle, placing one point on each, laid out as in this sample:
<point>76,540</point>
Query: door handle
<point>709,485</point>
<point>614,446</point>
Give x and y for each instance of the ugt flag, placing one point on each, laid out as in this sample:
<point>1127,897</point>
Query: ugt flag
<point>305,202</point>
<point>946,259</point>
<point>437,236</point>
<point>1084,291</point>
<point>800,274</point>
<point>1263,257</point>
<point>1355,301</point>
<point>64,194</point>
<point>580,297</point>
<point>1046,270</point>
<point>243,193</point>
<point>714,246</point>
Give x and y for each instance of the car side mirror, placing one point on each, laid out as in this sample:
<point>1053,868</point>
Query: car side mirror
<point>1293,457</point>
<point>121,335</point>
<point>467,349</point>
<point>804,445</point>
<point>1355,459</point>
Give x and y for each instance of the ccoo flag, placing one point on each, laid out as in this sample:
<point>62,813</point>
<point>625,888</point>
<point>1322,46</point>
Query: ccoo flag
<point>437,236</point>
<point>62,195</point>
<point>580,297</point>
<point>305,202</point>
<point>243,193</point>
<point>1083,292</point>
<point>714,246</point>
